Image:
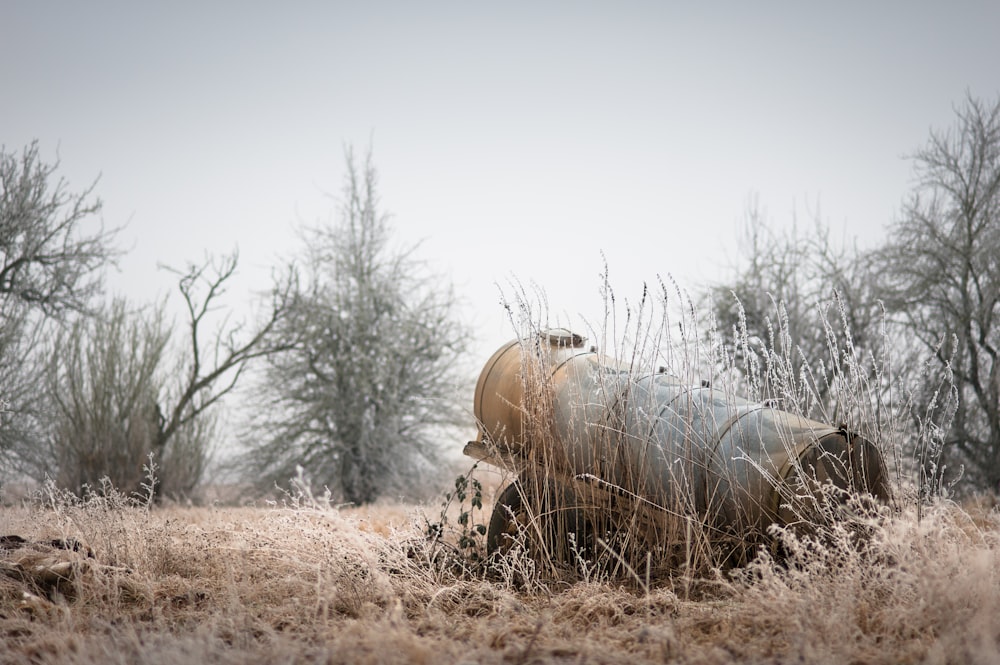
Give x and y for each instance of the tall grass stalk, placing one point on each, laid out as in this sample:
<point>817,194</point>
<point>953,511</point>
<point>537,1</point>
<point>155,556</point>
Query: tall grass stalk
<point>672,531</point>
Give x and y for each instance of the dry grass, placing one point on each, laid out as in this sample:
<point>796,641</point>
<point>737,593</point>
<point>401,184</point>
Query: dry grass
<point>308,583</point>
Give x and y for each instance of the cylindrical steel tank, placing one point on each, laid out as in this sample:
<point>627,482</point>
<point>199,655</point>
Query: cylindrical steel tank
<point>662,439</point>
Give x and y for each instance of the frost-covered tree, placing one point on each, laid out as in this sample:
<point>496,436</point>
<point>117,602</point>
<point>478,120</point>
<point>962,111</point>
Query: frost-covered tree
<point>940,279</point>
<point>794,303</point>
<point>53,251</point>
<point>362,397</point>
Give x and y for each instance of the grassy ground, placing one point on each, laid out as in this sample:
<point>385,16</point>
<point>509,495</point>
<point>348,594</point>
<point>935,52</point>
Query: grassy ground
<point>305,582</point>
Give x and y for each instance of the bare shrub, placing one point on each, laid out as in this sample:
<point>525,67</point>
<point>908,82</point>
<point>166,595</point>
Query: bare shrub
<point>118,392</point>
<point>105,383</point>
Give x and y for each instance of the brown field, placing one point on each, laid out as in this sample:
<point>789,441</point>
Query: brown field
<point>305,582</point>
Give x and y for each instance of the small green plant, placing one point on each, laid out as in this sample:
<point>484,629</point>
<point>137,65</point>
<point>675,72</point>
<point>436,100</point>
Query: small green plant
<point>471,531</point>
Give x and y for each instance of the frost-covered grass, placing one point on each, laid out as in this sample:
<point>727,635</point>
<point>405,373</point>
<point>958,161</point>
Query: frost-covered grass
<point>310,583</point>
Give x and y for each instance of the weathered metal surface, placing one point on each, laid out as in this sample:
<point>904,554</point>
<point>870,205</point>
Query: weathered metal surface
<point>658,438</point>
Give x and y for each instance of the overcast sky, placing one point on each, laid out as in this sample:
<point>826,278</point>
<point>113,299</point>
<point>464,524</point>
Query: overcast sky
<point>515,140</point>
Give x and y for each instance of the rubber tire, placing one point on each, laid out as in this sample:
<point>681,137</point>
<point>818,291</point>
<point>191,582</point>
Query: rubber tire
<point>506,507</point>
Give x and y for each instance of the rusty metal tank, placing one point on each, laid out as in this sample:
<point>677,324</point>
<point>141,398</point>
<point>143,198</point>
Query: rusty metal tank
<point>667,441</point>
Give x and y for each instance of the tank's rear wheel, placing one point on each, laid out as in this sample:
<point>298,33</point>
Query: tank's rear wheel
<point>509,519</point>
<point>517,518</point>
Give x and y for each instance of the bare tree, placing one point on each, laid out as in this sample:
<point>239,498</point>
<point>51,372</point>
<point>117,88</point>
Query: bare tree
<point>795,304</point>
<point>212,363</point>
<point>940,278</point>
<point>46,258</point>
<point>371,380</point>
<point>53,251</point>
<point>117,402</point>
<point>22,379</point>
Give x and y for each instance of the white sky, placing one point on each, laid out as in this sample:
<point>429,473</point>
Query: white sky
<point>516,140</point>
